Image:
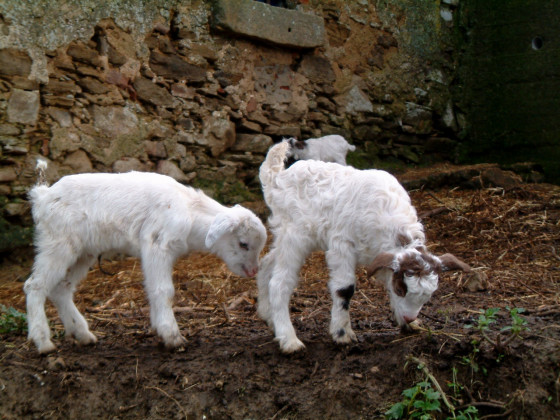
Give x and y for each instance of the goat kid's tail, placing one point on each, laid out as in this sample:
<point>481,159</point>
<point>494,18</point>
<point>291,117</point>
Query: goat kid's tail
<point>274,163</point>
<point>41,170</point>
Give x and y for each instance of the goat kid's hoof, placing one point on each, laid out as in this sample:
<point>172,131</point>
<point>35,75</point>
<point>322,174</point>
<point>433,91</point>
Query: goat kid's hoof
<point>292,347</point>
<point>86,339</point>
<point>345,337</point>
<point>176,343</point>
<point>46,348</point>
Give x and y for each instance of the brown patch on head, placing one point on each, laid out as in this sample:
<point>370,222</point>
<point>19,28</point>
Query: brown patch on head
<point>419,264</point>
<point>413,264</point>
<point>300,144</point>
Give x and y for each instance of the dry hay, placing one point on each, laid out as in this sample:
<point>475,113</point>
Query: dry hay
<point>511,241</point>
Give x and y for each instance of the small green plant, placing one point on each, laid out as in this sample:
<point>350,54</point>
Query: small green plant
<point>455,386</point>
<point>470,413</point>
<point>423,402</point>
<point>420,402</point>
<point>12,321</point>
<point>488,317</point>
<point>472,359</point>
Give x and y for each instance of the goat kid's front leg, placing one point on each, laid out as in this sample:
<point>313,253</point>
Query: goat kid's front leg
<point>263,281</point>
<point>158,267</point>
<point>285,275</point>
<point>342,286</point>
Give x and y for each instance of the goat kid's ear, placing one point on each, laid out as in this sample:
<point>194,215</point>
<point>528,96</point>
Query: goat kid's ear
<point>451,262</point>
<point>384,260</point>
<point>222,223</point>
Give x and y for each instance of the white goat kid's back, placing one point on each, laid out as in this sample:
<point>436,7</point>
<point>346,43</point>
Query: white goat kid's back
<point>356,217</point>
<point>331,148</point>
<point>146,215</point>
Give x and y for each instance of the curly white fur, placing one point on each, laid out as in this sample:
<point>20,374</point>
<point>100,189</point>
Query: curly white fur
<point>356,217</point>
<point>332,148</point>
<point>146,215</point>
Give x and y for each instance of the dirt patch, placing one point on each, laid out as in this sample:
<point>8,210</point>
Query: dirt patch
<point>232,368</point>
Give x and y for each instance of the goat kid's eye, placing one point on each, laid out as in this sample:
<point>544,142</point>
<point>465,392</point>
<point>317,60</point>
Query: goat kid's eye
<point>409,273</point>
<point>244,246</point>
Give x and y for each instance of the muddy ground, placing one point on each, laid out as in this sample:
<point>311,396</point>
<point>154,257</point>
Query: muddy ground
<point>232,368</point>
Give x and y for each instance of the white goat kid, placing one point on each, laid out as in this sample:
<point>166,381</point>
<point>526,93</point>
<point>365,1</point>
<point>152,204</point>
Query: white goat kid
<point>332,148</point>
<point>356,217</point>
<point>146,215</point>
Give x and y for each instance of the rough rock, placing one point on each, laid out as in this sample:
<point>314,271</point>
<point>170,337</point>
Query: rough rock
<point>14,145</point>
<point>254,143</point>
<point>7,174</point>
<point>253,19</point>
<point>174,67</point>
<point>23,107</point>
<point>14,62</point>
<point>317,69</point>
<point>150,92</point>
<point>355,101</point>
<point>79,162</point>
<point>114,121</point>
<point>166,167</point>
<point>128,164</point>
<point>218,135</point>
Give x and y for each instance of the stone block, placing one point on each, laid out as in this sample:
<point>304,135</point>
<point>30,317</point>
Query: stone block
<point>148,91</point>
<point>7,174</point>
<point>355,101</point>
<point>79,162</point>
<point>23,107</point>
<point>114,121</point>
<point>317,69</point>
<point>166,167</point>
<point>254,143</point>
<point>14,145</point>
<point>173,67</point>
<point>14,63</point>
<point>127,164</point>
<point>288,28</point>
<point>218,135</point>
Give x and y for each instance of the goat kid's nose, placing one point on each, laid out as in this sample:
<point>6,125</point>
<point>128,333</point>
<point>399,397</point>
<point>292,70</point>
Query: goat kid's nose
<point>251,272</point>
<point>409,319</point>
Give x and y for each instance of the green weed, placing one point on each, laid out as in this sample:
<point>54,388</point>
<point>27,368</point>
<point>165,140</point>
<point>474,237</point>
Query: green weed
<point>12,321</point>
<point>506,335</point>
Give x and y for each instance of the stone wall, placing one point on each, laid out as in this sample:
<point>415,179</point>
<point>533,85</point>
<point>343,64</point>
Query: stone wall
<point>199,90</point>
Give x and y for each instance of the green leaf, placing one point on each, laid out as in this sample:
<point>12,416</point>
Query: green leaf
<point>410,392</point>
<point>432,394</point>
<point>396,411</point>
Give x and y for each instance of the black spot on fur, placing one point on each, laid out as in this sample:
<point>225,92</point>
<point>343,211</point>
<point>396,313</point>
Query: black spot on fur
<point>341,333</point>
<point>346,294</point>
<point>289,162</point>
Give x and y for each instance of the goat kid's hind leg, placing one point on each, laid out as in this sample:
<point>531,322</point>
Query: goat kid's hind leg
<point>342,286</point>
<point>49,269</point>
<point>158,267</point>
<point>62,297</point>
